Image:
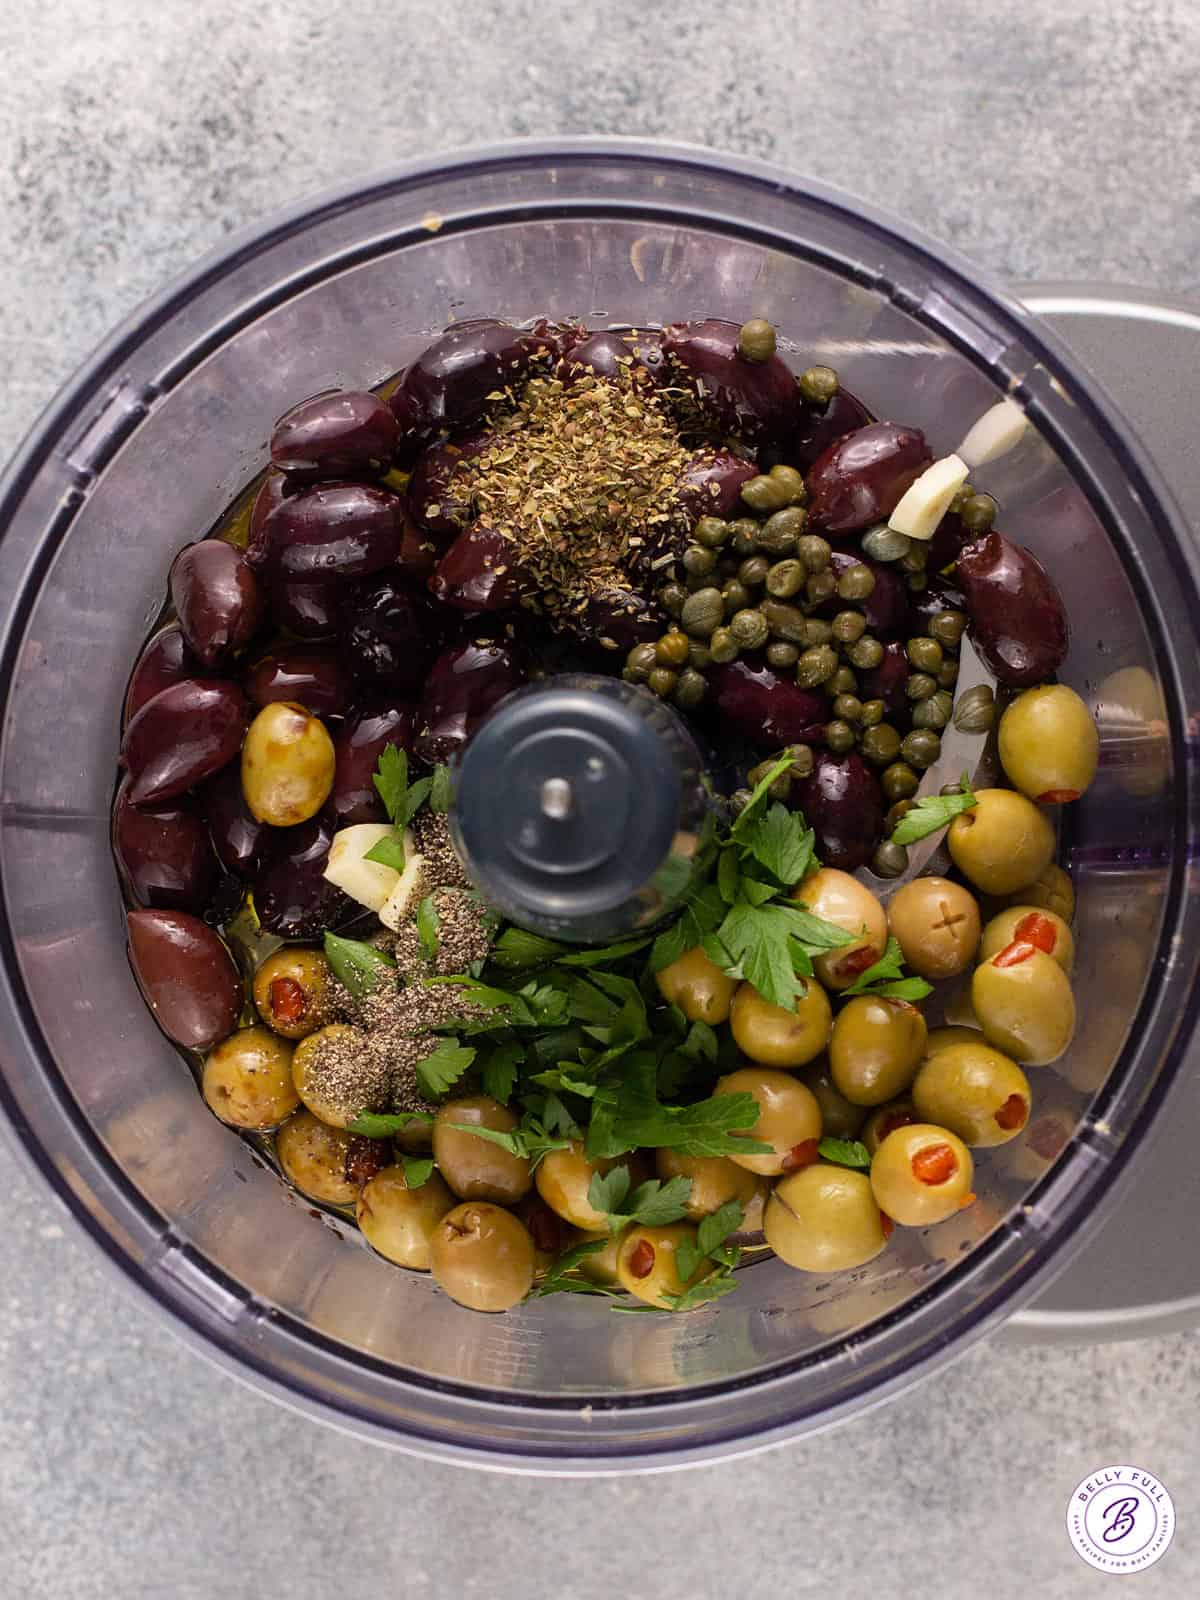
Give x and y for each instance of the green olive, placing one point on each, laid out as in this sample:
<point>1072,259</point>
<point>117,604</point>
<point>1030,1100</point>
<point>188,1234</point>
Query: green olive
<point>1036,925</point>
<point>1002,842</point>
<point>600,1266</point>
<point>564,1176</point>
<point>750,1235</point>
<point>886,1119</point>
<point>646,1264</point>
<point>789,1119</point>
<point>1048,744</point>
<point>313,1074</point>
<point>1051,889</point>
<point>1024,1003</point>
<point>876,1047</point>
<point>247,1079</point>
<point>715,1180</point>
<point>287,765</point>
<point>922,1174</point>
<point>840,898</point>
<point>315,1157</point>
<point>778,1037</point>
<point>291,992</point>
<point>840,1118</point>
<point>698,987</point>
<point>950,1033</point>
<point>975,1091</point>
<point>475,1168</point>
<point>398,1221</point>
<point>482,1256</point>
<point>756,340</point>
<point>825,1219</point>
<point>936,924</point>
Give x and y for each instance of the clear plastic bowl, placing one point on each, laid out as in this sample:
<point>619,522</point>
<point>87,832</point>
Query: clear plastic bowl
<point>140,453</point>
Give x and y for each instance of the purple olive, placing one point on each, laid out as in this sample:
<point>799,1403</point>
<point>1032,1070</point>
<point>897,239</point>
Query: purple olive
<point>820,426</point>
<point>758,400</point>
<point>309,610</point>
<point>389,633</point>
<point>316,679</point>
<point>862,476</point>
<point>273,492</point>
<point>431,502</point>
<point>334,532</point>
<point>557,339</point>
<point>625,618</point>
<point>712,484</point>
<point>237,836</point>
<point>411,433</point>
<point>358,746</point>
<point>451,379</point>
<point>339,434</point>
<point>888,607</point>
<point>292,897</point>
<point>843,803</point>
<point>187,976</point>
<point>1018,620</point>
<point>217,598</point>
<point>615,355</point>
<point>765,708</point>
<point>480,572</point>
<point>419,553</point>
<point>950,537</point>
<point>164,661</point>
<point>464,684</point>
<point>186,733</point>
<point>886,681</point>
<point>163,853</point>
<point>939,594</point>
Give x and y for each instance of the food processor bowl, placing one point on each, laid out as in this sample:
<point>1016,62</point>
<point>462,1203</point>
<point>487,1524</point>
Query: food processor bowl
<point>153,438</point>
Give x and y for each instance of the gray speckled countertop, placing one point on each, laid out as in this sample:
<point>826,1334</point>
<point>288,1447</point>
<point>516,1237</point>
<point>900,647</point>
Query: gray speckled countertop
<point>1047,139</point>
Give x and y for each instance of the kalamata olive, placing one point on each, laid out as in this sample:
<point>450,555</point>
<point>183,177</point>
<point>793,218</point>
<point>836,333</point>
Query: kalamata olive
<point>463,685</point>
<point>335,435</point>
<point>887,608</point>
<point>712,481</point>
<point>432,503</point>
<point>480,572</point>
<point>450,380</point>
<point>418,556</point>
<point>886,681</point>
<point>334,532</point>
<point>389,633</point>
<point>938,595</point>
<point>766,708</point>
<point>188,977</point>
<point>309,610</point>
<point>1018,620</point>
<point>861,476</point>
<point>190,730</point>
<point>359,744</point>
<point>274,489</point>
<point>820,426</point>
<point>843,802</point>
<point>217,598</point>
<point>758,400</point>
<point>237,837</point>
<point>412,433</point>
<point>609,354</point>
<point>163,853</point>
<point>950,536</point>
<point>624,617</point>
<point>287,764</point>
<point>164,661</point>
<point>556,338</point>
<point>317,679</point>
<point>291,897</point>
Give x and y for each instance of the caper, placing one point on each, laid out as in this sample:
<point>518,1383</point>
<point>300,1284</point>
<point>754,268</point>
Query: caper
<point>882,543</point>
<point>803,760</point>
<point>814,552</point>
<point>916,581</point>
<point>672,649</point>
<point>749,628</point>
<point>978,513</point>
<point>931,713</point>
<point>781,654</point>
<point>699,656</point>
<point>736,595</point>
<point>880,743</point>
<point>756,340</point>
<point>856,582</point>
<point>849,626</point>
<point>782,786</point>
<point>865,653</point>
<point>872,713</point>
<point>976,710</point>
<point>817,631</point>
<point>819,587</point>
<point>815,665</point>
<point>662,682</point>
<point>925,654</point>
<point>921,748</point>
<point>786,622</point>
<point>702,612</point>
<point>899,781</point>
<point>779,532</point>
<point>818,385</point>
<point>690,689</point>
<point>947,627</point>
<point>739,800</point>
<point>785,578</point>
<point>641,662</point>
<point>765,493</point>
<point>839,737</point>
<point>947,673</point>
<point>671,598</point>
<point>693,582</point>
<point>843,680</point>
<point>743,534</point>
<point>711,532</point>
<point>847,707</point>
<point>697,560</point>
<point>916,559</point>
<point>896,813</point>
<point>949,788</point>
<point>791,481</point>
<point>961,496</point>
<point>753,571</point>
<point>920,686</point>
<point>889,860</point>
<point>727,566</point>
<point>723,646</point>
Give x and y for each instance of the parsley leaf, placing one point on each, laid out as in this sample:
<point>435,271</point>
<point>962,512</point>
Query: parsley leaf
<point>383,1124</point>
<point>711,1288</point>
<point>417,1170</point>
<point>440,790</point>
<point>443,1068</point>
<point>757,937</point>
<point>710,1235</point>
<point>780,842</point>
<point>358,967</point>
<point>728,875</point>
<point>391,779</point>
<point>427,927</point>
<point>516,948</point>
<point>757,802</point>
<point>887,978</point>
<point>389,852</point>
<point>557,1278</point>
<point>701,915</point>
<point>627,1115</point>
<point>499,1070</point>
<point>933,812</point>
<point>845,1153</point>
<point>530,1141</point>
<point>653,1203</point>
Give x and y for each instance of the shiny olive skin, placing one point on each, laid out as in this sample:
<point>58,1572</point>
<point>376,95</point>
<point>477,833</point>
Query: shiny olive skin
<point>432,503</point>
<point>887,681</point>
<point>778,1037</point>
<point>316,679</point>
<point>315,1157</point>
<point>292,897</point>
<point>189,979</point>
<point>1036,925</point>
<point>601,1265</point>
<point>1025,1006</point>
<point>950,1033</point>
<point>287,765</point>
<point>876,1047</point>
<point>750,1234</point>
<point>399,1222</point>
<point>922,1174</point>
<point>936,924</point>
<point>163,853</point>
<point>824,1219</point>
<point>274,489</point>
<point>247,1079</point>
<point>789,1119</point>
<point>1018,619</point>
<point>1049,744</point>
<point>359,743</point>
<point>715,1181</point>
<point>309,610</point>
<point>843,803</point>
<point>756,400</point>
<point>821,426</point>
<point>837,897</point>
<point>887,608</point>
<point>189,730</point>
<point>613,355</point>
<point>462,686</point>
<point>333,532</point>
<point>698,987</point>
<point>550,1234</point>
<point>165,660</point>
<point>343,433</point>
<point>975,1091</point>
<point>292,992</point>
<point>449,382</point>
<point>482,1256</point>
<point>564,1176</point>
<point>217,598</point>
<point>886,1119</point>
<point>389,634</point>
<point>840,1118</point>
<point>862,476</point>
<point>238,838</point>
<point>625,619</point>
<point>480,572</point>
<point>711,485</point>
<point>477,1169</point>
<point>1002,842</point>
<point>307,1074</point>
<point>418,558</point>
<point>646,1264</point>
<point>766,708</point>
<point>1051,889</point>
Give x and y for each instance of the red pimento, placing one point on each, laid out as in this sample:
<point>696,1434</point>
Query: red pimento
<point>288,1000</point>
<point>803,1154</point>
<point>935,1164</point>
<point>1013,1112</point>
<point>641,1262</point>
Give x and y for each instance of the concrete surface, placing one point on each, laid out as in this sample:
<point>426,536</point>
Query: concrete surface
<point>1047,138</point>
